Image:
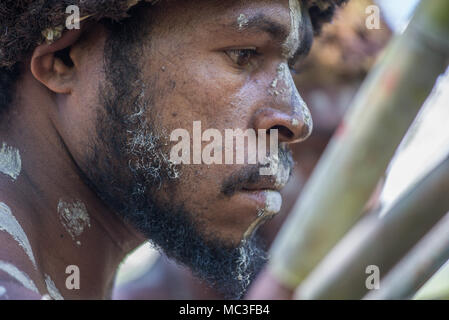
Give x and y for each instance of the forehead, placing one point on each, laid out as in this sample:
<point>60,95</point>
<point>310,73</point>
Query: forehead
<point>223,13</point>
<point>283,21</point>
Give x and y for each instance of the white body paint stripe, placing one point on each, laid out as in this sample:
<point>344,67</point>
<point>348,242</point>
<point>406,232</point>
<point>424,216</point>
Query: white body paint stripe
<point>9,224</point>
<point>74,217</point>
<point>52,290</point>
<point>293,39</point>
<point>18,275</point>
<point>10,161</point>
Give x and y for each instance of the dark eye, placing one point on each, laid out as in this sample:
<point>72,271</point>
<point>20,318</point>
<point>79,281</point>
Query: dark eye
<point>241,57</point>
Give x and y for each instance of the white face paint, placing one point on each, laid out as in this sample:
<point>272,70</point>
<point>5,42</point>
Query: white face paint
<point>283,84</point>
<point>242,21</point>
<point>282,176</point>
<point>293,40</point>
<point>295,122</point>
<point>9,224</point>
<point>278,170</point>
<point>18,275</point>
<point>273,203</point>
<point>74,217</point>
<point>52,290</point>
<point>307,117</point>
<point>10,161</point>
<point>284,87</point>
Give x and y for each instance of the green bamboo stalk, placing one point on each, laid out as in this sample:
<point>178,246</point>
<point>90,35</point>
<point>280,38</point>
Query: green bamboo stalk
<point>381,242</point>
<point>409,275</point>
<point>358,155</point>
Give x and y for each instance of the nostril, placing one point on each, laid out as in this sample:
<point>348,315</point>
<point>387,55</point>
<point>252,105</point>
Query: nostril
<point>284,132</point>
<point>290,128</point>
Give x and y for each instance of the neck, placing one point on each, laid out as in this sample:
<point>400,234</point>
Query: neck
<point>64,221</point>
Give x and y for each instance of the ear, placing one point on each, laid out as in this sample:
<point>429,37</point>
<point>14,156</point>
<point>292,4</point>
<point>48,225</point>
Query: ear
<point>52,65</point>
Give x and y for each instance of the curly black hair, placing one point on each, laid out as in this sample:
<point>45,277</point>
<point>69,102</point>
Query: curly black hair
<point>24,22</point>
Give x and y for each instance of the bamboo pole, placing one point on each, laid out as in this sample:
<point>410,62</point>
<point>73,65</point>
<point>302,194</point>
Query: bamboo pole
<point>381,242</point>
<point>358,155</point>
<point>409,275</point>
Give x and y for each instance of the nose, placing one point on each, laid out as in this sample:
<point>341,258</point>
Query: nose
<point>288,113</point>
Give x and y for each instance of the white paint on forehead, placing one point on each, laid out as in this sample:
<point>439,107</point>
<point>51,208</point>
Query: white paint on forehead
<point>52,290</point>
<point>242,21</point>
<point>21,277</point>
<point>74,217</point>
<point>293,40</point>
<point>9,224</point>
<point>10,161</point>
<point>2,291</point>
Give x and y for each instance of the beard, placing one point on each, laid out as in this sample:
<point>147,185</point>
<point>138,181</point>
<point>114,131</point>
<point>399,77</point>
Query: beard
<point>127,166</point>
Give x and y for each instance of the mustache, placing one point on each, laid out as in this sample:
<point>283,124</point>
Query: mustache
<point>251,174</point>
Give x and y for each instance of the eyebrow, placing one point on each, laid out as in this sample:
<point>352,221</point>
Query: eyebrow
<point>263,23</point>
<point>278,32</point>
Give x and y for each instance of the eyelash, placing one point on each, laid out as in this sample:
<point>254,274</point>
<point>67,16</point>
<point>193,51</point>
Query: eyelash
<point>233,54</point>
<point>237,54</point>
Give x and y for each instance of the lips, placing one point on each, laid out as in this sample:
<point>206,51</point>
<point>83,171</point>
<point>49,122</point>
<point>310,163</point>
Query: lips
<point>266,193</point>
<point>252,191</point>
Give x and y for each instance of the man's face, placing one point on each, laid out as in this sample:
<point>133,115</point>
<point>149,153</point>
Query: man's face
<point>225,65</point>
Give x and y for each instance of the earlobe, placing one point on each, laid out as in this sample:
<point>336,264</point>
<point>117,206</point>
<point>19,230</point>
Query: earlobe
<point>48,67</point>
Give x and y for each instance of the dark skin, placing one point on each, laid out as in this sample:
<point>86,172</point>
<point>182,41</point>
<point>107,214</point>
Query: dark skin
<point>208,69</point>
<point>167,280</point>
